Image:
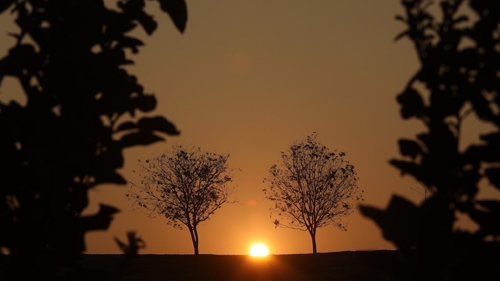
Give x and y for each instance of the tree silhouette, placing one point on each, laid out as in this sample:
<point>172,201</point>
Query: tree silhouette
<point>80,114</point>
<point>312,187</point>
<point>458,79</point>
<point>185,186</point>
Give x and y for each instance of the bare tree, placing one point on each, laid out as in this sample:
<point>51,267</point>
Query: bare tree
<point>185,186</point>
<point>312,187</point>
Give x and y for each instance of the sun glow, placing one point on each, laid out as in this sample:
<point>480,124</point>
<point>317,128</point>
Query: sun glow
<point>259,250</point>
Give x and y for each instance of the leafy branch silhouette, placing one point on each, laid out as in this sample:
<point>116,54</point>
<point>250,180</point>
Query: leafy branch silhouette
<point>455,81</point>
<point>81,112</point>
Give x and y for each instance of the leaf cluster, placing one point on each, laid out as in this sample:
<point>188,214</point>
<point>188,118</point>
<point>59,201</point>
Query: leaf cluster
<point>457,82</point>
<point>80,113</point>
<point>458,78</point>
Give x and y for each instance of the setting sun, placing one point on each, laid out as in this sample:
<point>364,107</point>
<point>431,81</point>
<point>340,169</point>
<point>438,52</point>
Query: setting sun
<point>259,250</point>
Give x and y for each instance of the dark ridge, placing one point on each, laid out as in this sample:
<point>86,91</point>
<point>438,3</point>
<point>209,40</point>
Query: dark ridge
<point>347,266</point>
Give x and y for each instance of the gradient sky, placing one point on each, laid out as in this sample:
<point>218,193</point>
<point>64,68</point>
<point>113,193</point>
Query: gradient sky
<point>248,77</point>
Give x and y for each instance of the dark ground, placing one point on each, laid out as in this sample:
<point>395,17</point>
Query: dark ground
<point>338,266</point>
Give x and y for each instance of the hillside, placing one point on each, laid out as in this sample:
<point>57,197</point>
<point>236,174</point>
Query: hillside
<point>338,266</point>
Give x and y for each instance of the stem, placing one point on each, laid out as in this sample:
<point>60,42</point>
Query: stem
<point>197,241</point>
<point>194,238</point>
<point>312,232</point>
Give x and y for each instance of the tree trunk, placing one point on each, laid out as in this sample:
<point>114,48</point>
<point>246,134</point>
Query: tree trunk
<point>196,251</point>
<point>194,238</point>
<point>313,238</point>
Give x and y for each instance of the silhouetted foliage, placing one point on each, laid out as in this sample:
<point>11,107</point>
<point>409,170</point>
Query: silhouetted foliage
<point>458,77</point>
<point>184,186</point>
<point>80,114</point>
<point>312,187</point>
<point>133,246</point>
<point>130,250</point>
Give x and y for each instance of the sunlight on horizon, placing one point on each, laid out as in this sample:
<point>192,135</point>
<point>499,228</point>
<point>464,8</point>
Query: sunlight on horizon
<point>259,250</point>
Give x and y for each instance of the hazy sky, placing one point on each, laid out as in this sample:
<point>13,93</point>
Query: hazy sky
<point>248,77</point>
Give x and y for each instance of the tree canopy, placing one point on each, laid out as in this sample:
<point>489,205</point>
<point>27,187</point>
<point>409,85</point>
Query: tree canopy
<point>186,186</point>
<point>312,187</point>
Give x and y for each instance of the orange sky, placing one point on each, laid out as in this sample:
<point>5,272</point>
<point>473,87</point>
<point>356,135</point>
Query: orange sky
<point>249,77</point>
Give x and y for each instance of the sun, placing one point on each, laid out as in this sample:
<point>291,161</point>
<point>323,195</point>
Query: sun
<point>259,250</point>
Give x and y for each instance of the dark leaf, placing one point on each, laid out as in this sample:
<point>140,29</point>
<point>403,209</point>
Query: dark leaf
<point>399,222</point>
<point>118,56</point>
<point>145,103</point>
<point>482,107</point>
<point>5,4</point>
<point>19,58</point>
<point>134,9</point>
<point>126,126</point>
<point>139,138</point>
<point>401,18</point>
<point>158,124</point>
<point>177,10</point>
<point>424,138</point>
<point>121,245</point>
<point>411,103</point>
<point>407,167</point>
<point>493,175</point>
<point>488,217</point>
<point>374,214</point>
<point>112,158</point>
<point>460,19</point>
<point>401,35</point>
<point>487,153</point>
<point>129,42</point>
<point>491,138</point>
<point>109,177</point>
<point>131,5</point>
<point>107,210</point>
<point>469,180</point>
<point>147,22</point>
<point>474,155</point>
<point>492,205</point>
<point>409,148</point>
